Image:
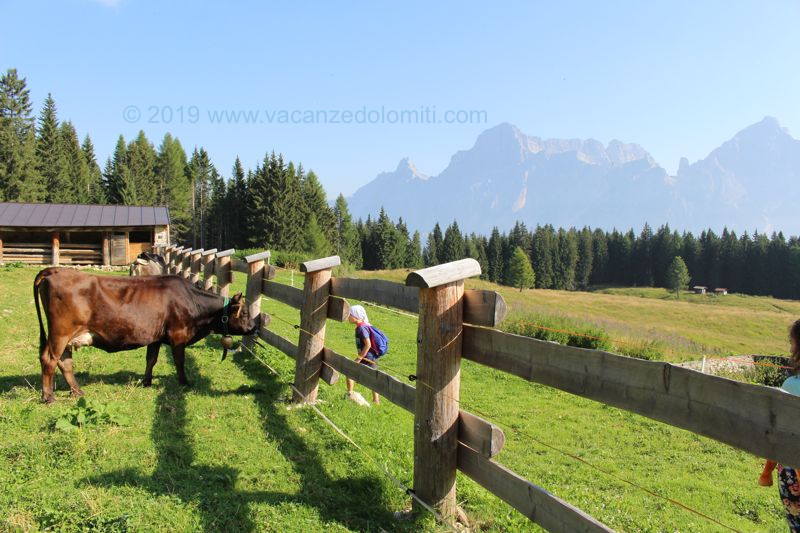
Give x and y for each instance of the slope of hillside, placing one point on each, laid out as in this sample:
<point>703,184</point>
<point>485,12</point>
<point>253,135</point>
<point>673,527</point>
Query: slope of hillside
<point>684,329</point>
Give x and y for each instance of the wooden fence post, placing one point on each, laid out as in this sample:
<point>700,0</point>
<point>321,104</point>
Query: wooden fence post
<point>313,313</point>
<point>186,263</point>
<point>255,279</point>
<point>224,272</point>
<point>1,246</point>
<point>174,268</point>
<point>439,341</point>
<point>194,267</point>
<point>208,268</point>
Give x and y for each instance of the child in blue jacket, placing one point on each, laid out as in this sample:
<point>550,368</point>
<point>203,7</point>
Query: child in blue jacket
<point>368,353</point>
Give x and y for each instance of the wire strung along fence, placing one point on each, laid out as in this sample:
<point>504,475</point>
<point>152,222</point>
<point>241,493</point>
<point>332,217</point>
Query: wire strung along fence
<point>456,323</point>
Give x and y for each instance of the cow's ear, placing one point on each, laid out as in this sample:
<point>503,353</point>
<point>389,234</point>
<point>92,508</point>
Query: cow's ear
<point>236,298</point>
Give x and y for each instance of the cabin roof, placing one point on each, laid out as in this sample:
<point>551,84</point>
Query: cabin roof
<point>26,215</point>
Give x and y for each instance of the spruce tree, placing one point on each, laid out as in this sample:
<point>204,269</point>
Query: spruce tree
<point>599,257</point>
<point>116,173</point>
<point>346,240</point>
<point>495,256</point>
<point>94,175</point>
<point>520,272</point>
<point>583,268</point>
<point>413,258</point>
<point>77,169</point>
<point>430,255</point>
<point>677,276</point>
<point>142,168</point>
<point>438,244</point>
<point>543,256</point>
<point>237,193</point>
<point>315,202</point>
<point>19,177</point>
<point>175,189</point>
<point>51,160</point>
<point>315,244</point>
<point>453,247</point>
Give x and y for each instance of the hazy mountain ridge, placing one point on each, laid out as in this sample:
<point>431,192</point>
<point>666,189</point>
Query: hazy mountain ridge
<point>506,176</point>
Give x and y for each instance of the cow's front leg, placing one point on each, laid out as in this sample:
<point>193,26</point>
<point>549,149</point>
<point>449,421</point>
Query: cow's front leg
<point>152,358</point>
<point>179,356</point>
<point>65,364</point>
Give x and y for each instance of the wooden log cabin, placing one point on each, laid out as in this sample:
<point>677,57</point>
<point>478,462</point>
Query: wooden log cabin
<point>78,234</point>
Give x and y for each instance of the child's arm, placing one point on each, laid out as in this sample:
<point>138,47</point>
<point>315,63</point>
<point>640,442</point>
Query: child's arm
<point>366,345</point>
<point>765,479</point>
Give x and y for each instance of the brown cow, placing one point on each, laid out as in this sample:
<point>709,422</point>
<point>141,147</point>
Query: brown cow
<point>148,264</point>
<point>116,313</point>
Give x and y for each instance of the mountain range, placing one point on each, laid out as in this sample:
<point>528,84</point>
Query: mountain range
<point>749,183</point>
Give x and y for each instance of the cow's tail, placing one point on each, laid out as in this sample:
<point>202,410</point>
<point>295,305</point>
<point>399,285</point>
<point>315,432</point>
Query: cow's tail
<point>36,282</point>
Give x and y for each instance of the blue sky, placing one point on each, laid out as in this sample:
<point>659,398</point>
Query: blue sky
<point>676,77</point>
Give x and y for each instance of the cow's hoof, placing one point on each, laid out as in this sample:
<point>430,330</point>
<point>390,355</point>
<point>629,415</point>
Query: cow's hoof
<point>48,399</point>
<point>185,383</point>
<point>147,383</point>
<point>76,393</point>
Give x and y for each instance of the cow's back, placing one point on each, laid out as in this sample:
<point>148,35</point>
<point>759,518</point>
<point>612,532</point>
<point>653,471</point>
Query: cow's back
<point>122,312</point>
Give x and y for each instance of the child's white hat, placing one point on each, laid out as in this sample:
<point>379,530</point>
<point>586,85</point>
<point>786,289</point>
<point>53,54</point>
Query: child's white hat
<point>359,313</point>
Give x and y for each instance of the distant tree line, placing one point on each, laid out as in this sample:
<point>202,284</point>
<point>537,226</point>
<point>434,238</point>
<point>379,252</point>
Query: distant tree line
<point>281,206</point>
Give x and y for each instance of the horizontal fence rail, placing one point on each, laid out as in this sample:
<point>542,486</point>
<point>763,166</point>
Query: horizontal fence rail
<point>757,419</point>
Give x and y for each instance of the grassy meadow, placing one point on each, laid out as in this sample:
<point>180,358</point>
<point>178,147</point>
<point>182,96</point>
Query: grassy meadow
<point>228,455</point>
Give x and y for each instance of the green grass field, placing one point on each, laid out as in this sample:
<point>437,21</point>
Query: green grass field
<point>227,454</point>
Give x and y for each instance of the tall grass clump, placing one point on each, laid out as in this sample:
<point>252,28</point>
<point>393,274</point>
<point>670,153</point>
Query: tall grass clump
<point>559,329</point>
<point>650,350</point>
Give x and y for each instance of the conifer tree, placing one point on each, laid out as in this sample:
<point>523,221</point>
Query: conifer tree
<point>430,255</point>
<point>453,247</point>
<point>520,272</point>
<point>115,173</point>
<point>438,244</point>
<point>52,164</point>
<point>475,247</point>
<point>583,268</point>
<point>314,242</point>
<point>315,202</point>
<point>543,255</point>
<point>142,167</point>
<point>94,177</point>
<point>237,193</point>
<point>19,178</point>
<point>495,256</point>
<point>677,276</point>
<point>77,169</point>
<point>175,189</point>
<point>414,252</point>
<point>346,241</point>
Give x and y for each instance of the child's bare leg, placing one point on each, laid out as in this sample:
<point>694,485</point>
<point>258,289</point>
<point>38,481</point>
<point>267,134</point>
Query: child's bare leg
<point>765,479</point>
<point>376,399</point>
<point>350,384</point>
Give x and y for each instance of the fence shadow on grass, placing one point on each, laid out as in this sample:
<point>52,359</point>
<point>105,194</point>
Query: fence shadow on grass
<point>355,503</point>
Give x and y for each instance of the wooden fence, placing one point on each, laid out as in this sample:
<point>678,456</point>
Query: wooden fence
<point>456,323</point>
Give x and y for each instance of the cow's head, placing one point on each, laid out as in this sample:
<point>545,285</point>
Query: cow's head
<point>236,319</point>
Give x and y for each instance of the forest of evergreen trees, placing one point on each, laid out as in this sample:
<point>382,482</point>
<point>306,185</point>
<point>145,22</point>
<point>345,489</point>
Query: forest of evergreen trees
<point>281,206</point>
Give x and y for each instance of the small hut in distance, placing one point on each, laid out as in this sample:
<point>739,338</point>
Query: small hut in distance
<point>699,289</point>
<point>79,234</point>
<point>720,291</point>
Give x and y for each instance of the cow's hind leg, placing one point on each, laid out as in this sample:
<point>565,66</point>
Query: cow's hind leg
<point>179,356</point>
<point>49,363</point>
<point>152,358</point>
<point>66,366</point>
